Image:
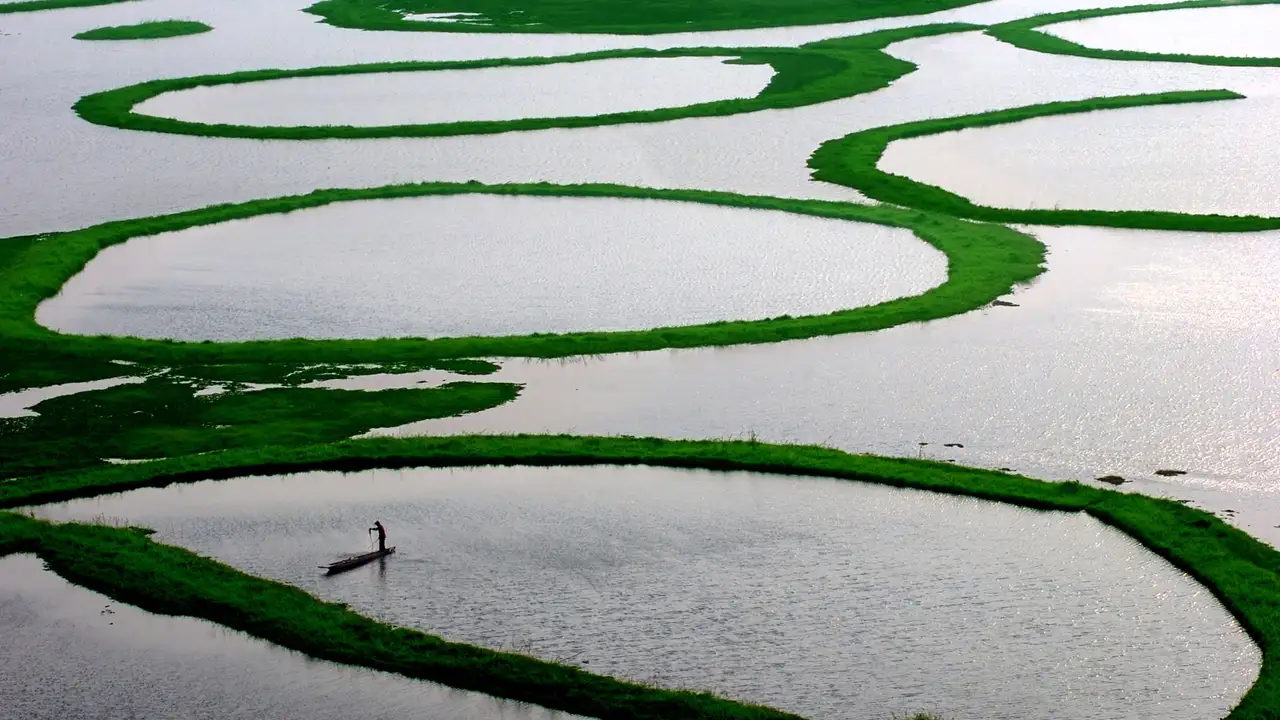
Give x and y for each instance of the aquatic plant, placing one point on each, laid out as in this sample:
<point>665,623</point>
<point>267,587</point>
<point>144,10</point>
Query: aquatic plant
<point>814,73</point>
<point>129,567</point>
<point>34,5</point>
<point>150,30</point>
<point>1023,34</point>
<point>853,160</point>
<point>984,262</point>
<point>617,17</point>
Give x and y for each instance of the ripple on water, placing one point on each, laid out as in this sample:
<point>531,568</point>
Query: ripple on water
<point>72,653</point>
<point>487,265</point>
<point>826,598</point>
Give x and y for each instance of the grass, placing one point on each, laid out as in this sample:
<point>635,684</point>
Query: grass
<point>814,73</point>
<point>852,161</point>
<point>1023,34</point>
<point>163,417</point>
<point>984,262</point>
<point>618,17</point>
<point>124,564</point>
<point>34,5</point>
<point>151,30</point>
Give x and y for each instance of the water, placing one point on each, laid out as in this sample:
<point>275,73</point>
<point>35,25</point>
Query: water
<point>488,265</point>
<point>827,598</point>
<point>19,404</point>
<point>1144,158</point>
<point>505,93</point>
<point>70,652</point>
<point>1136,351</point>
<point>1241,31</point>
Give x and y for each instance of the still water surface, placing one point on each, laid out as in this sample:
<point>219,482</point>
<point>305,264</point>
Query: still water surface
<point>487,265</point>
<point>1206,158</point>
<point>506,93</point>
<point>1241,31</point>
<point>73,653</point>
<point>827,598</point>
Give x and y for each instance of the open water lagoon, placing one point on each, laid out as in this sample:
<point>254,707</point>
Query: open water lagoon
<point>487,265</point>
<point>72,653</point>
<point>598,87</point>
<point>827,598</point>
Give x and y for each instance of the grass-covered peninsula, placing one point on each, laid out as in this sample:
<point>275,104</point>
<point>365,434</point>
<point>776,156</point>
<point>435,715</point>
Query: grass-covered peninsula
<point>984,262</point>
<point>617,17</point>
<point>853,160</point>
<point>814,73</point>
<point>151,30</point>
<point>1027,34</point>
<point>126,565</point>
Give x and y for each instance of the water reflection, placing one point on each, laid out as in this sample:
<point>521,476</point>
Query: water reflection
<point>830,599</point>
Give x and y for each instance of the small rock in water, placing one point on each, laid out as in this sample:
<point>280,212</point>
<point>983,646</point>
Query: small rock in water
<point>1170,473</point>
<point>1112,480</point>
<point>953,445</point>
<point>1004,303</point>
<point>1005,469</point>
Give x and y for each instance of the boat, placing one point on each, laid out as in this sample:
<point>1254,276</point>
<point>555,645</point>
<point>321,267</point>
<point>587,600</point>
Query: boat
<point>355,562</point>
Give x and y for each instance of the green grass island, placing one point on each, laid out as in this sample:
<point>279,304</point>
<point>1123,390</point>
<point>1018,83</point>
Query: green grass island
<point>150,30</point>
<point>813,73</point>
<point>126,565</point>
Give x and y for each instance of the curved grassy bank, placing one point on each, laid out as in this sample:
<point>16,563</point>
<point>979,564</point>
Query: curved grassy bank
<point>852,161</point>
<point>985,262</point>
<point>124,564</point>
<point>814,73</point>
<point>34,5</point>
<point>1023,34</point>
<point>151,30</point>
<point>618,17</point>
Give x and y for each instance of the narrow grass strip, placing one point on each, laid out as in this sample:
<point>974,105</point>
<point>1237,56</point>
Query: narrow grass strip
<point>617,17</point>
<point>852,161</point>
<point>1024,34</point>
<point>984,262</point>
<point>34,5</point>
<point>151,30</point>
<point>807,75</point>
<point>1238,569</point>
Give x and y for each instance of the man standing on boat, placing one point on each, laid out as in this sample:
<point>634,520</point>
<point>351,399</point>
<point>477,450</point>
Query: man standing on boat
<point>382,535</point>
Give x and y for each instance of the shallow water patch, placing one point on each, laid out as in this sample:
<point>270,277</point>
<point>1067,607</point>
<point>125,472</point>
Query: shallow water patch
<point>487,265</point>
<point>827,598</point>
<point>1233,31</point>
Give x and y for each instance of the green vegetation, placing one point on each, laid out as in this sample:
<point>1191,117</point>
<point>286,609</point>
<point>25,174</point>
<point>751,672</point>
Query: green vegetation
<point>163,417</point>
<point>616,17</point>
<point>151,30</point>
<point>1023,34</point>
<point>814,73</point>
<point>126,565</point>
<point>34,5</point>
<point>852,161</point>
<point>985,262</point>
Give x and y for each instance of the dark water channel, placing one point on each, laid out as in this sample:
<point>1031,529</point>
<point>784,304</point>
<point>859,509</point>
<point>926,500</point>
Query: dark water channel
<point>826,598</point>
<point>72,653</point>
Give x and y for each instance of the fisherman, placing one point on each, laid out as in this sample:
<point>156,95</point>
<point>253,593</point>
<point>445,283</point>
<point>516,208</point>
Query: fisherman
<point>382,535</point>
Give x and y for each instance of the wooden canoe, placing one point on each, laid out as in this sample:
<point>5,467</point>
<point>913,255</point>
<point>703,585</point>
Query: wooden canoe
<point>355,562</point>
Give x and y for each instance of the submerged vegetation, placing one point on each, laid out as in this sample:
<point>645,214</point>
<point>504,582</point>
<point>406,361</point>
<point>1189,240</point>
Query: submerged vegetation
<point>984,262</point>
<point>814,73</point>
<point>1024,34</point>
<point>128,566</point>
<point>150,30</point>
<point>618,17</point>
<point>853,160</point>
